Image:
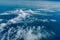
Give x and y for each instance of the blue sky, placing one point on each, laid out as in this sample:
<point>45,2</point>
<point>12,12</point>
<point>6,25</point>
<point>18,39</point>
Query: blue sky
<point>32,3</point>
<point>17,2</point>
<point>32,0</point>
<point>22,2</point>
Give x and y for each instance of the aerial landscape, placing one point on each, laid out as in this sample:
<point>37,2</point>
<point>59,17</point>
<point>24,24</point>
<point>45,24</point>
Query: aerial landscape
<point>29,20</point>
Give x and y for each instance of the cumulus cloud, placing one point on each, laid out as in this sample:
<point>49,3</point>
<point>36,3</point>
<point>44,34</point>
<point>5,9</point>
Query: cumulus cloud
<point>1,20</point>
<point>2,25</point>
<point>53,20</point>
<point>21,15</point>
<point>5,13</point>
<point>30,11</point>
<point>29,33</point>
<point>44,20</point>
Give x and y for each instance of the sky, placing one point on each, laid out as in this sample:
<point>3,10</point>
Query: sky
<point>31,0</point>
<point>32,3</point>
<point>23,1</point>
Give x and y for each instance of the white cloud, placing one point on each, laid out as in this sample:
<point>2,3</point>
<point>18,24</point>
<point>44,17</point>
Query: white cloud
<point>21,15</point>
<point>41,33</point>
<point>29,35</point>
<point>44,20</point>
<point>13,11</point>
<point>1,19</point>
<point>53,20</point>
<point>2,25</point>
<point>5,13</point>
<point>30,11</point>
<point>46,10</point>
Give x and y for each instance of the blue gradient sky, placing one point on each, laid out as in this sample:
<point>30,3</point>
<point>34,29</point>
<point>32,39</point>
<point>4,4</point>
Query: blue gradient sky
<point>22,1</point>
<point>32,3</point>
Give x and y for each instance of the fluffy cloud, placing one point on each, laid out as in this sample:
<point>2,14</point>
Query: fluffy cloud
<point>53,20</point>
<point>1,20</point>
<point>21,15</point>
<point>2,25</point>
<point>31,33</point>
<point>5,13</point>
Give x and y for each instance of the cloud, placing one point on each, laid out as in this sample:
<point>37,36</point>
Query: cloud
<point>53,20</point>
<point>21,15</point>
<point>44,20</point>
<point>2,25</point>
<point>31,33</point>
<point>30,11</point>
<point>46,10</point>
<point>1,20</point>
<point>5,13</point>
